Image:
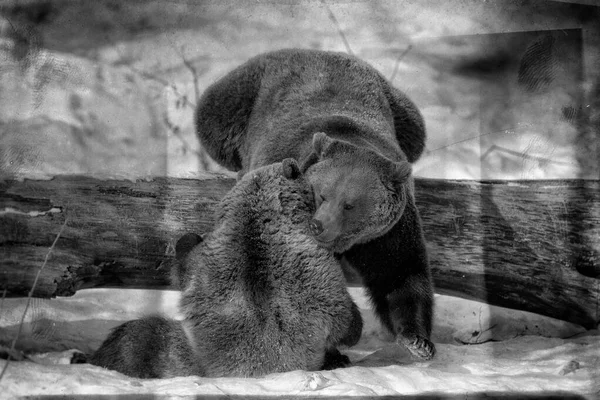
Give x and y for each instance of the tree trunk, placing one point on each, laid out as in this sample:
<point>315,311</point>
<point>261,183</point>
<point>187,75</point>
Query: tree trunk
<point>529,245</point>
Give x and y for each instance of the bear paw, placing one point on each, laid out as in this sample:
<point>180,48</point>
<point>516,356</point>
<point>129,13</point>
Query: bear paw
<point>418,346</point>
<point>334,359</point>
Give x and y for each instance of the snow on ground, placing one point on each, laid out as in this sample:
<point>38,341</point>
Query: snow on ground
<point>525,365</point>
<point>105,111</point>
<point>514,352</point>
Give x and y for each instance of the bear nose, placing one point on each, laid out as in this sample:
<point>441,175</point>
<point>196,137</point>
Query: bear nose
<point>316,227</point>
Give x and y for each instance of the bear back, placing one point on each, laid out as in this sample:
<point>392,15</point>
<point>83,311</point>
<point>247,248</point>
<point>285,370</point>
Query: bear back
<point>262,296</point>
<point>268,109</point>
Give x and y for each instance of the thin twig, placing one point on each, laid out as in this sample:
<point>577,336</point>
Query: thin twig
<point>3,297</point>
<point>14,342</point>
<point>180,97</point>
<point>339,28</point>
<point>521,154</point>
<point>513,130</point>
<point>200,154</point>
<point>194,73</point>
<point>176,131</point>
<point>503,149</point>
<point>400,57</point>
<point>597,303</point>
<point>165,83</point>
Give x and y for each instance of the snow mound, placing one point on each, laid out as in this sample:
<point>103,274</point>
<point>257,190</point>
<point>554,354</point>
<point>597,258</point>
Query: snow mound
<point>523,354</point>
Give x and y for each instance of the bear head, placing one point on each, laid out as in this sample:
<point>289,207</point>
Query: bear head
<point>275,189</point>
<point>359,194</point>
<point>271,200</point>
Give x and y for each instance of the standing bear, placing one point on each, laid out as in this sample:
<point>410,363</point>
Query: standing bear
<point>355,136</point>
<point>259,295</point>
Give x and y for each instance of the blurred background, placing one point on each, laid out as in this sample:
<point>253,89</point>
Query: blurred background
<point>509,89</point>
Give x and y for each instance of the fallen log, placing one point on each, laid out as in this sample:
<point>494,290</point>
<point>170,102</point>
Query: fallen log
<point>529,245</point>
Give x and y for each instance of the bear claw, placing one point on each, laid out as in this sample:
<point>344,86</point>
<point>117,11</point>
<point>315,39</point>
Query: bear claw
<point>419,347</point>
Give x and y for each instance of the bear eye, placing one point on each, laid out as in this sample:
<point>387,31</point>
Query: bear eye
<point>322,197</point>
<point>348,206</point>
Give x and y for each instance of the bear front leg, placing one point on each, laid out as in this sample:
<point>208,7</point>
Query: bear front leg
<point>150,347</point>
<point>395,271</point>
<point>333,358</point>
<point>407,312</point>
<point>410,309</point>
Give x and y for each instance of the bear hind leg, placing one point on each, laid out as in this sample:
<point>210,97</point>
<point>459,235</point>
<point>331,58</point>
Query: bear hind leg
<point>334,359</point>
<point>151,347</point>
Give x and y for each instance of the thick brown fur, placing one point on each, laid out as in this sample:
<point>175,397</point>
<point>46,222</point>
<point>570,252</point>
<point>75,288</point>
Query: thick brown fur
<point>150,347</point>
<point>355,136</point>
<point>259,294</point>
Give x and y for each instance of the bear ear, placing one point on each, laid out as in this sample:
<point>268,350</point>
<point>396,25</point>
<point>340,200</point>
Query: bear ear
<point>309,161</point>
<point>400,172</point>
<point>240,174</point>
<point>321,143</point>
<point>291,169</point>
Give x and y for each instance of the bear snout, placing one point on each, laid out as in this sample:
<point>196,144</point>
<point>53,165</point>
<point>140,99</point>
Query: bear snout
<point>322,231</point>
<point>316,227</point>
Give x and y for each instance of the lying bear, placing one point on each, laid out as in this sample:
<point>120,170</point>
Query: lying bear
<point>355,136</point>
<point>259,294</point>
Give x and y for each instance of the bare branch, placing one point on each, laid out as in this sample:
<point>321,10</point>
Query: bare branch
<point>177,132</point>
<point>194,73</point>
<point>511,131</point>
<point>190,66</point>
<point>339,28</point>
<point>37,276</point>
<point>400,57</point>
<point>520,154</point>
